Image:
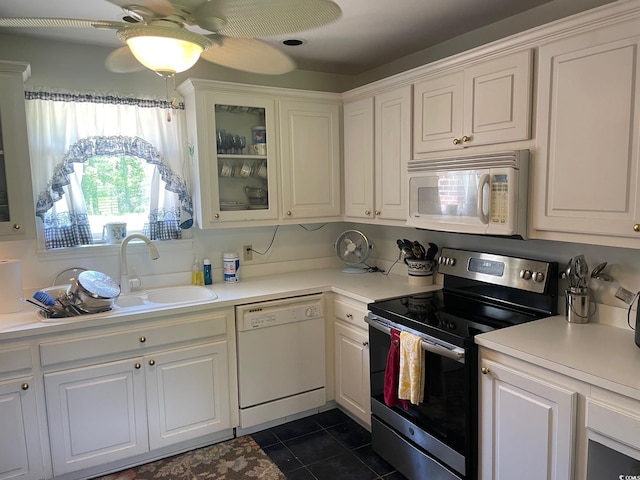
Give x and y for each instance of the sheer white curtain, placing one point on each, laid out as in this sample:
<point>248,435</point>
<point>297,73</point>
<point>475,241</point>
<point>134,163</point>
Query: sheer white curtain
<point>66,128</point>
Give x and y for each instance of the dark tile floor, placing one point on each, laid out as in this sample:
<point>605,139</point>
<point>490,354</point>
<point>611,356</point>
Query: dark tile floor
<point>325,446</point>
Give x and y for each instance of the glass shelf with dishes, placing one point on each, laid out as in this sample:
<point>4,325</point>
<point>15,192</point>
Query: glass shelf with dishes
<point>242,161</point>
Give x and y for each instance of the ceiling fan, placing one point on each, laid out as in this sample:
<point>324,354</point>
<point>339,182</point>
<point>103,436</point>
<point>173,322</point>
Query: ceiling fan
<point>169,36</point>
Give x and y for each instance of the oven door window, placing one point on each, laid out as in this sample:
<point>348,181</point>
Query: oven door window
<point>451,195</point>
<point>444,411</point>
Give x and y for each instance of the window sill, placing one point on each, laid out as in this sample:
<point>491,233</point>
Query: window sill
<point>103,250</point>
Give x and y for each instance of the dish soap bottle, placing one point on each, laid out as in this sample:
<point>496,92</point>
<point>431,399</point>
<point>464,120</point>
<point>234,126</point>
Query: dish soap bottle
<point>197,277</point>
<point>207,271</point>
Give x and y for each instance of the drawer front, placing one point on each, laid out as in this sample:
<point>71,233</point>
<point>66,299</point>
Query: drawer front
<point>351,312</point>
<point>134,341</point>
<point>614,422</point>
<point>15,359</point>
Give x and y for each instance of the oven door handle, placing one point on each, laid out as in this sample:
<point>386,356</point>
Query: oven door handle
<point>455,353</point>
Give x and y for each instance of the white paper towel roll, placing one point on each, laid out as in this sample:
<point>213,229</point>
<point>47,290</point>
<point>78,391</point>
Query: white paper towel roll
<point>10,285</point>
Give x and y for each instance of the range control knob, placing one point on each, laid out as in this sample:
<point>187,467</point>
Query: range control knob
<point>442,260</point>
<point>525,274</point>
<point>451,261</point>
<point>538,277</point>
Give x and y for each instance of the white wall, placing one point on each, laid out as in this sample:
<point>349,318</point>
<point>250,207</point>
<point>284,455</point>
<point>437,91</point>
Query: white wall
<point>80,67</point>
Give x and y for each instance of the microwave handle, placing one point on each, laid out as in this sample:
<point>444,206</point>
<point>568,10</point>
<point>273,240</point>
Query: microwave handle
<point>484,217</point>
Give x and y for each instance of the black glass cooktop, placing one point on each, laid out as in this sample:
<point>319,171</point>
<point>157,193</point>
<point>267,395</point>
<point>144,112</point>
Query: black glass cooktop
<point>451,316</point>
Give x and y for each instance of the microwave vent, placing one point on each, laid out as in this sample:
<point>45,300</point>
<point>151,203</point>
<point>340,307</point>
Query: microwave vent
<point>513,159</point>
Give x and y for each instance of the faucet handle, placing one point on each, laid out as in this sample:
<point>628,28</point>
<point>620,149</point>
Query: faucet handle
<point>134,280</point>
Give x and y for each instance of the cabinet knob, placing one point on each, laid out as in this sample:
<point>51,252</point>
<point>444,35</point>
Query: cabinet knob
<point>217,215</point>
<point>25,386</point>
<point>636,227</point>
<point>365,343</point>
<point>377,212</point>
<point>485,370</point>
<point>17,226</point>
<point>349,315</point>
<point>288,213</point>
<point>466,138</point>
<point>143,339</point>
<point>456,141</point>
<point>367,212</point>
<point>137,366</point>
<point>152,362</point>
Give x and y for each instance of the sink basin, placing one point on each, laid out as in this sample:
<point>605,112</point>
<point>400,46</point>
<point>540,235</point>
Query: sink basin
<point>185,294</point>
<point>166,296</point>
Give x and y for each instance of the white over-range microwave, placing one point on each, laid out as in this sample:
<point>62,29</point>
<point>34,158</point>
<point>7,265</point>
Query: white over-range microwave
<point>483,194</point>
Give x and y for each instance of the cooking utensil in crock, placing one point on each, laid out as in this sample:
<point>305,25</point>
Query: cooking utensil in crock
<point>431,252</point>
<point>407,250</point>
<point>598,275</point>
<point>581,269</point>
<point>418,250</point>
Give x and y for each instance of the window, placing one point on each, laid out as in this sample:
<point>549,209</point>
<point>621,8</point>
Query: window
<point>106,159</point>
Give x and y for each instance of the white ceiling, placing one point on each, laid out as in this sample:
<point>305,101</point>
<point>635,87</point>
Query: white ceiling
<point>369,34</point>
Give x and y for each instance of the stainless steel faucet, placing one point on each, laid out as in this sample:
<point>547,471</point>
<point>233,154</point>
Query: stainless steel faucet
<point>126,284</point>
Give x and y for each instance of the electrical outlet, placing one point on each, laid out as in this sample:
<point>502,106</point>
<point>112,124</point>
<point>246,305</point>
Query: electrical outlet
<point>625,295</point>
<point>248,253</point>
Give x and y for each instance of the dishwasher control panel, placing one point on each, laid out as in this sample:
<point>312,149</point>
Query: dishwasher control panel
<point>278,312</point>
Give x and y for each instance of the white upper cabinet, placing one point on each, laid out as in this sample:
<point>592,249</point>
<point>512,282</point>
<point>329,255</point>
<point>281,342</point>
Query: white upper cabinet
<point>485,103</point>
<point>358,158</point>
<point>586,177</point>
<point>292,176</point>
<point>377,140</point>
<point>17,218</point>
<point>310,159</point>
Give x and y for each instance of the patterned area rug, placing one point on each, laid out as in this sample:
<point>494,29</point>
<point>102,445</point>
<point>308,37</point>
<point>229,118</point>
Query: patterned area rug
<point>237,459</point>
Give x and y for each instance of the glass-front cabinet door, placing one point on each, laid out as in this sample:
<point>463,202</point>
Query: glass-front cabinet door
<point>241,158</point>
<point>4,193</point>
<point>16,197</point>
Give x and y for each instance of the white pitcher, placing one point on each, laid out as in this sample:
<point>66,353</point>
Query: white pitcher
<point>114,232</point>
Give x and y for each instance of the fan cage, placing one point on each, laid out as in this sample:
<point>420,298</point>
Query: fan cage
<point>345,248</point>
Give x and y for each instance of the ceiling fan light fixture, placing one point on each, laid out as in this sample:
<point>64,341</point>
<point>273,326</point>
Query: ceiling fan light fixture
<point>165,50</point>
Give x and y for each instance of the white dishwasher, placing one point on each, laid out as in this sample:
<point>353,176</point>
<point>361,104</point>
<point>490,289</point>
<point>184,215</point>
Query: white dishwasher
<point>281,358</point>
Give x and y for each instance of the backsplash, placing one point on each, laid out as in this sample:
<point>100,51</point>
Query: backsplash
<point>622,264</point>
<point>294,248</point>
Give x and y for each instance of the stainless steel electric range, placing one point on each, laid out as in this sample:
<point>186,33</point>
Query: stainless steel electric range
<point>437,438</point>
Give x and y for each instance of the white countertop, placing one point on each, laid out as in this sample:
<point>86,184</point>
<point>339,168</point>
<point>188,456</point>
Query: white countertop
<point>366,288</point>
<point>597,354</point>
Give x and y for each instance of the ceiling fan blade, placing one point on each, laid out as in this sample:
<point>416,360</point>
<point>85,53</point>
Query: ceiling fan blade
<point>162,8</point>
<point>267,18</point>
<point>58,22</point>
<point>122,60</point>
<point>249,55</point>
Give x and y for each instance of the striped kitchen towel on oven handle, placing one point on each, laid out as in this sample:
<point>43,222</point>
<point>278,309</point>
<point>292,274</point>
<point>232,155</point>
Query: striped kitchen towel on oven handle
<point>412,361</point>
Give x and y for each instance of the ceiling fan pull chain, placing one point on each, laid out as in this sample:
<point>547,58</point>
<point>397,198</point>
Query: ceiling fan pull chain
<point>166,87</point>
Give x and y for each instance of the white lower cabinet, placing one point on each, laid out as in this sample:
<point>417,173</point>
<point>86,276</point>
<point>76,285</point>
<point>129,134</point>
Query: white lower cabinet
<point>97,414</point>
<point>186,392</point>
<point>20,451</point>
<point>527,426</point>
<point>351,349</point>
<point>177,388</point>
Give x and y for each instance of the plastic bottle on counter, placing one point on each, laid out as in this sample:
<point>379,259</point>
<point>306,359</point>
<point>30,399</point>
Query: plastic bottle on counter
<point>207,271</point>
<point>197,277</point>
<point>230,265</point>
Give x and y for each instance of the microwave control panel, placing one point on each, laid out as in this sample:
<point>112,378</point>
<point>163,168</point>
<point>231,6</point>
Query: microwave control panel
<point>499,199</point>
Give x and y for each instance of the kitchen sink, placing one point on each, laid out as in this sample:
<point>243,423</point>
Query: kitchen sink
<point>166,296</point>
